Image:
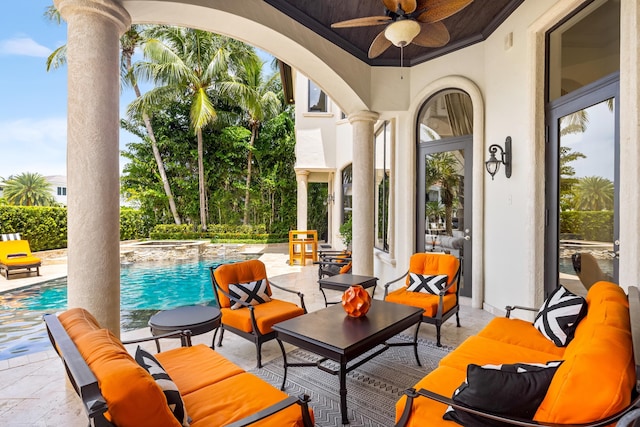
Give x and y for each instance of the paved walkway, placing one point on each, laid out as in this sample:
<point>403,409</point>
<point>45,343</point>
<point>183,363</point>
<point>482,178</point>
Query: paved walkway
<point>34,391</point>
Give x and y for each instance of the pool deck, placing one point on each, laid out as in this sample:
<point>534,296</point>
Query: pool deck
<point>34,391</point>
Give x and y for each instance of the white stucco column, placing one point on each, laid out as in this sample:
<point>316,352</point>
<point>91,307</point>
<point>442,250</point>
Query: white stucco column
<point>629,143</point>
<point>94,29</point>
<point>363,191</point>
<point>302,178</point>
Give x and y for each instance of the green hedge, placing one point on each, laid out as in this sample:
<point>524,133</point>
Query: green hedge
<point>218,233</point>
<point>46,227</point>
<point>588,225</point>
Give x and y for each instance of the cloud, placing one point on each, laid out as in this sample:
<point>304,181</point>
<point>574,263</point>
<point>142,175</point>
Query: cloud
<point>23,46</point>
<point>33,145</point>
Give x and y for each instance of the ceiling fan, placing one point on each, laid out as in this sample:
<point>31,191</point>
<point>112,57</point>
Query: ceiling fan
<point>409,21</point>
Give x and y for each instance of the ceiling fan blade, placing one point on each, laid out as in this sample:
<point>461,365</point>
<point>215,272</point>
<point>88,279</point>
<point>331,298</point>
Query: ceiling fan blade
<point>432,35</point>
<point>379,45</point>
<point>409,6</point>
<point>362,22</point>
<point>437,10</point>
<point>391,5</point>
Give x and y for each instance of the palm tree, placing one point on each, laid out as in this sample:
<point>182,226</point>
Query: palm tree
<point>594,193</point>
<point>187,62</point>
<point>443,169</point>
<point>28,189</point>
<point>129,41</point>
<point>257,98</point>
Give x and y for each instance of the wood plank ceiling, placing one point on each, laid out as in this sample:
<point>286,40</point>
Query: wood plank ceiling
<point>471,25</point>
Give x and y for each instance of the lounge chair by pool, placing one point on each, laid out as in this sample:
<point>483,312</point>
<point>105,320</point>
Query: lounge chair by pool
<point>16,255</point>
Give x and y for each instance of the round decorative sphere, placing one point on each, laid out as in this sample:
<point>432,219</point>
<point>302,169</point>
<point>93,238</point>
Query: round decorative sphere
<point>356,301</point>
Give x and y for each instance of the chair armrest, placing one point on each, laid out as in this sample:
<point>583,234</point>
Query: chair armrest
<point>510,308</point>
<point>300,294</point>
<point>175,334</point>
<point>302,400</point>
<point>386,285</point>
<point>412,394</point>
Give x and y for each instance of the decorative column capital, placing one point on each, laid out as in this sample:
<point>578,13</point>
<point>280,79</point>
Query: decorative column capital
<point>302,174</point>
<point>110,9</point>
<point>363,116</point>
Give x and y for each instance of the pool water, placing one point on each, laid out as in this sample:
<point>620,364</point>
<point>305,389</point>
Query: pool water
<point>146,288</point>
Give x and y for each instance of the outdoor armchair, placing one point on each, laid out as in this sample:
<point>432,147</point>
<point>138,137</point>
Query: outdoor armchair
<point>439,303</point>
<point>331,263</point>
<point>243,294</point>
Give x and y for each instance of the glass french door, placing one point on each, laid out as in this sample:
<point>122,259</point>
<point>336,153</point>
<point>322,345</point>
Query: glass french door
<point>444,201</point>
<point>582,187</point>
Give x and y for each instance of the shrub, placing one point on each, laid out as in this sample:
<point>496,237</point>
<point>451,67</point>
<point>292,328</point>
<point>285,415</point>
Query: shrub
<point>218,233</point>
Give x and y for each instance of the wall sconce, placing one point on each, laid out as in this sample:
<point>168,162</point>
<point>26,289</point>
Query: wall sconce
<point>493,164</point>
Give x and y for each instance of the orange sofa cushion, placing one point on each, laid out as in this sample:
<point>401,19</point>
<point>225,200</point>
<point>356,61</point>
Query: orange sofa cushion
<point>519,332</point>
<point>426,301</point>
<point>242,272</point>
<point>599,371</point>
<point>267,315</point>
<point>217,404</point>
<point>434,263</point>
<point>192,368</point>
<point>77,322</point>
<point>133,397</point>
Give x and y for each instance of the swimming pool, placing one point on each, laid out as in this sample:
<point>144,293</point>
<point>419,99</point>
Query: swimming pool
<point>146,288</point>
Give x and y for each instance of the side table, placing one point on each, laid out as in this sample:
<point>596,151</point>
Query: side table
<point>341,282</point>
<point>199,319</point>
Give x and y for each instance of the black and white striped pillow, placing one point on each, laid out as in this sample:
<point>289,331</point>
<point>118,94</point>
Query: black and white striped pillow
<point>253,293</point>
<point>427,284</point>
<point>558,317</point>
<point>169,388</point>
<point>11,236</point>
<point>514,390</point>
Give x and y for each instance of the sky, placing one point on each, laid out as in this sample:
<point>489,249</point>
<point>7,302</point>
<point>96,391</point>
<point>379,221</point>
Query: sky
<point>33,101</point>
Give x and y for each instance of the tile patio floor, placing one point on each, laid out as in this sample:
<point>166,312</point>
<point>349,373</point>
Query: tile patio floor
<point>34,391</point>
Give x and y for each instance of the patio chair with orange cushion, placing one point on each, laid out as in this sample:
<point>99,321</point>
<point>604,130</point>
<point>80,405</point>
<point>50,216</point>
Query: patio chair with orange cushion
<point>244,296</point>
<point>332,263</point>
<point>16,255</point>
<point>431,283</point>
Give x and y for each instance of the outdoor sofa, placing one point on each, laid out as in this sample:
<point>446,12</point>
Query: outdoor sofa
<point>595,383</point>
<point>117,390</point>
<point>16,255</point>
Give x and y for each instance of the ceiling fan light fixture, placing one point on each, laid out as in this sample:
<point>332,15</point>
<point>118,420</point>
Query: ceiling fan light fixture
<point>402,32</point>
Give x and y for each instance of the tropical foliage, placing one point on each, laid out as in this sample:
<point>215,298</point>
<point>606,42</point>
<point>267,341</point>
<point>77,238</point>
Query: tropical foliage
<point>28,189</point>
<point>443,170</point>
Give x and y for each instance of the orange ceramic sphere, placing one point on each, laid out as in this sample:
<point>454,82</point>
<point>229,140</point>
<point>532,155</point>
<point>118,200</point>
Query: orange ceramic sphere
<point>356,301</point>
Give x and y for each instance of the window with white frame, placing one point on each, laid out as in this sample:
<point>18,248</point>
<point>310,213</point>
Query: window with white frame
<point>317,99</point>
<point>382,161</point>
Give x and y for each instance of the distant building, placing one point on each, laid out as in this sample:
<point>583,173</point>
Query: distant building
<point>58,188</point>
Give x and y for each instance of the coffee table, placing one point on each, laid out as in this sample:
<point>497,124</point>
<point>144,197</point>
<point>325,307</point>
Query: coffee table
<point>340,282</point>
<point>330,333</point>
<point>198,319</point>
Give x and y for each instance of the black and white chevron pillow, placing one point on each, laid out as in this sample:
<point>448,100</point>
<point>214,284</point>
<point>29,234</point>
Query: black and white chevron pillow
<point>515,389</point>
<point>427,284</point>
<point>169,388</point>
<point>558,317</point>
<point>253,293</point>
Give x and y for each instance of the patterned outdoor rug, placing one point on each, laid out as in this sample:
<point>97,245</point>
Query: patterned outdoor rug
<point>372,389</point>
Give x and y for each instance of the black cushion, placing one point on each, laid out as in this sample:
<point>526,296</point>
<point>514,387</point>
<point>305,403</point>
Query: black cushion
<point>513,390</point>
<point>559,316</point>
<point>169,388</point>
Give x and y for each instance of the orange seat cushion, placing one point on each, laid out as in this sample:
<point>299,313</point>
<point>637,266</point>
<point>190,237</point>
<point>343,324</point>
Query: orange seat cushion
<point>267,315</point>
<point>17,247</point>
<point>426,301</point>
<point>192,368</point>
<point>426,412</point>
<point>217,404</point>
<point>77,322</point>
<point>521,333</point>
<point>133,397</point>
